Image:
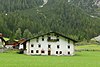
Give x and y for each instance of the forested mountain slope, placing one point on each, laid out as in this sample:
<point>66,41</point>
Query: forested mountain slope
<point>90,6</point>
<point>56,15</point>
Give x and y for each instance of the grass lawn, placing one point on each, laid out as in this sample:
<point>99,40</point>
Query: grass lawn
<point>88,47</point>
<point>81,59</point>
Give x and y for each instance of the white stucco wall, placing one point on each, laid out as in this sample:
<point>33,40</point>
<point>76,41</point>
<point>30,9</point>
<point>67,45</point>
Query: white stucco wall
<point>1,43</point>
<point>21,46</point>
<point>9,46</point>
<point>63,42</point>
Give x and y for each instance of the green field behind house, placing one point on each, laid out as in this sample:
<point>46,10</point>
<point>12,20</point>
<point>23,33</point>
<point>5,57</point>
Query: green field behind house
<point>81,59</point>
<point>93,47</point>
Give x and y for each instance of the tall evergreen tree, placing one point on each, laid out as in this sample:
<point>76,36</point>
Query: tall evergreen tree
<point>18,34</point>
<point>27,34</point>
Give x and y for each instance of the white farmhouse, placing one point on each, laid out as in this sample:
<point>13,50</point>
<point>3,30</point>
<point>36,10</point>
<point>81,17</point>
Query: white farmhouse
<point>51,43</point>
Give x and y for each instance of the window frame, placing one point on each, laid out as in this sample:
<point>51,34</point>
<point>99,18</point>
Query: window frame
<point>39,45</point>
<point>68,52</point>
<point>42,38</point>
<point>32,51</point>
<point>42,51</point>
<point>32,45</point>
<point>37,51</point>
<point>49,46</point>
<point>58,46</point>
<point>56,52</point>
<point>68,46</point>
<point>60,52</point>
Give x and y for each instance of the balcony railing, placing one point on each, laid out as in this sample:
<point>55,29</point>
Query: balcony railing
<point>52,40</point>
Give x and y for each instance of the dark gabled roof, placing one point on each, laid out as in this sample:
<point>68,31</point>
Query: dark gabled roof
<point>55,33</point>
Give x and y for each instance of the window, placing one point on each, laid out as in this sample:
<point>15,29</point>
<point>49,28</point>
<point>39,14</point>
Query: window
<point>57,35</point>
<point>49,46</point>
<point>60,52</point>
<point>37,51</point>
<point>49,38</point>
<point>56,52</point>
<point>32,45</point>
<point>58,46</point>
<point>39,45</point>
<point>42,38</point>
<point>68,52</point>
<point>57,39</point>
<point>42,51</point>
<point>68,46</point>
<point>31,51</point>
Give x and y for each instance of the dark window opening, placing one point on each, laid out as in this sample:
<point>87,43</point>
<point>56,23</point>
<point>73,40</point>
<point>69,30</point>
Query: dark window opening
<point>57,39</point>
<point>56,52</point>
<point>42,38</point>
<point>60,52</point>
<point>39,45</point>
<point>68,47</point>
<point>49,46</point>
<point>68,52</point>
<point>31,51</point>
<point>49,38</point>
<point>42,51</point>
<point>37,51</point>
<point>57,35</point>
<point>58,46</point>
<point>32,45</point>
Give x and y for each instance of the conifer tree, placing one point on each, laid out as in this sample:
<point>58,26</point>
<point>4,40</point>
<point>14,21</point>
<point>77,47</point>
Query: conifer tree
<point>27,34</point>
<point>18,34</point>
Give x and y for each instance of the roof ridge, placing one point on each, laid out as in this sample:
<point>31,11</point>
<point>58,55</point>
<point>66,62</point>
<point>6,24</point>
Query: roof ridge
<point>53,32</point>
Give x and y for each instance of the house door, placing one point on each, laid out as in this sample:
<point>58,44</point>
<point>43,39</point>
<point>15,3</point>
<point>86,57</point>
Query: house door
<point>49,52</point>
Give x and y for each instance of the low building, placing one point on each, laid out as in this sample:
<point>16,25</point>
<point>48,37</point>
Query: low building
<point>51,43</point>
<point>11,44</point>
<point>15,44</point>
<point>2,41</point>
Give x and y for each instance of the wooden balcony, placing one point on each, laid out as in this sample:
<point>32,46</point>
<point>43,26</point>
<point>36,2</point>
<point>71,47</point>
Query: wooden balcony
<point>52,40</point>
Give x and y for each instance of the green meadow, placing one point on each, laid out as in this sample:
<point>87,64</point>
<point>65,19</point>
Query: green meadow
<point>81,59</point>
<point>92,47</point>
